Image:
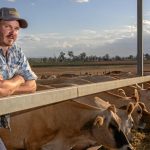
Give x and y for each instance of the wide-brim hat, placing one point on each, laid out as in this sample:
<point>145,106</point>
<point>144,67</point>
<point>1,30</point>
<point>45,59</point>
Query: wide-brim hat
<point>10,14</point>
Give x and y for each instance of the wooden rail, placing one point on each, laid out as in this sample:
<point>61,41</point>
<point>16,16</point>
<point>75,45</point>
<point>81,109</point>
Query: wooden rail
<point>22,102</point>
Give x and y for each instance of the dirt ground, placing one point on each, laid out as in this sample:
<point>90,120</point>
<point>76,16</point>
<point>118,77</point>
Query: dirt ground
<point>99,70</point>
<point>140,139</point>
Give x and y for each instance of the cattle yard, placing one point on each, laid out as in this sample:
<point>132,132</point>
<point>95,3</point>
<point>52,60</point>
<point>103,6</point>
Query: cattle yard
<point>60,84</point>
<point>140,139</point>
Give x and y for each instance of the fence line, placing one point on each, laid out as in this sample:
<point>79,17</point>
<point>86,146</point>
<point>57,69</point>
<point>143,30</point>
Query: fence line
<point>26,101</point>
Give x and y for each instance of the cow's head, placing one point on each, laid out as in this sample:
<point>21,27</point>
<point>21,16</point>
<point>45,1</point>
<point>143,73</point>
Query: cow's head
<point>106,130</point>
<point>144,95</point>
<point>141,114</point>
<point>133,108</point>
<point>125,113</point>
<point>126,120</point>
<point>145,119</point>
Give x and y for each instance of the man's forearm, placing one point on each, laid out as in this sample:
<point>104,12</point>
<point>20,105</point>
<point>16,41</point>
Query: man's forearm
<point>28,87</point>
<point>17,85</point>
<point>8,87</point>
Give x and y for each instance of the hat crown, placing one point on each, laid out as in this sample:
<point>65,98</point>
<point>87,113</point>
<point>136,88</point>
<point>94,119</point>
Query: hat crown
<point>9,14</point>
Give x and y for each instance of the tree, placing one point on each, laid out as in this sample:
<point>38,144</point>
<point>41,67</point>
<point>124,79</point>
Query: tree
<point>61,56</point>
<point>117,58</point>
<point>131,57</point>
<point>106,57</point>
<point>70,54</point>
<point>147,56</point>
<point>82,56</point>
<point>44,60</point>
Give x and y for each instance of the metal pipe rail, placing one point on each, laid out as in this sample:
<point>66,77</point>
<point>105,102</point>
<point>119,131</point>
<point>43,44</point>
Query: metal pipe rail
<point>27,101</point>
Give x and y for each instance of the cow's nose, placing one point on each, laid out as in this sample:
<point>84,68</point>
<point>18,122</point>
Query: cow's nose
<point>129,148</point>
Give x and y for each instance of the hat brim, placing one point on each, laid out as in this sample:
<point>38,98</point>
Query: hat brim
<point>22,22</point>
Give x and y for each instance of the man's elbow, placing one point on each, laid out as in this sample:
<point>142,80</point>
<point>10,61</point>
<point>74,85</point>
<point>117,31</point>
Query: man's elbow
<point>34,88</point>
<point>31,86</point>
<point>28,87</point>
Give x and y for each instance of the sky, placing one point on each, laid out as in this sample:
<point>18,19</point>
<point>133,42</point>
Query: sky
<point>96,27</point>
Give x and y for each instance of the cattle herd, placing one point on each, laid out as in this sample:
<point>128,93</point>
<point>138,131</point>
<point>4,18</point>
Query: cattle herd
<point>112,120</point>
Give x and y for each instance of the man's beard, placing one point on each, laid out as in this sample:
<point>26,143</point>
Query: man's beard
<point>7,40</point>
<point>4,44</point>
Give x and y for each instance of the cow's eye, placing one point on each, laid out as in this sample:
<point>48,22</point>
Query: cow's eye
<point>139,111</point>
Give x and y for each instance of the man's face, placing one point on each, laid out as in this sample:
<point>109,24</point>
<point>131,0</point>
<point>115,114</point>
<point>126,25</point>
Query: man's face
<point>8,32</point>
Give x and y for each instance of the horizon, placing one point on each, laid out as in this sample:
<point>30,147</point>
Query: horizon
<point>100,56</point>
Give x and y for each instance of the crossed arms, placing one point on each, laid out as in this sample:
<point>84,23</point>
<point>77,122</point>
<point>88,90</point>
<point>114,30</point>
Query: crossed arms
<point>16,85</point>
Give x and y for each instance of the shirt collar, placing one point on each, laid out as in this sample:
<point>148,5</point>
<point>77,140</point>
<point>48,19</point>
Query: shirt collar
<point>9,49</point>
<point>1,51</point>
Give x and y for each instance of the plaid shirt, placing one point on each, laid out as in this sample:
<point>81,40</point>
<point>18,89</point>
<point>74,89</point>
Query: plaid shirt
<point>15,63</point>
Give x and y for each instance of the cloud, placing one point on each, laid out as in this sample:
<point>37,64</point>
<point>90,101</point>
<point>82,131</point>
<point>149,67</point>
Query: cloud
<point>82,1</point>
<point>146,22</point>
<point>120,41</point>
<point>11,0</point>
<point>29,38</point>
<point>88,31</point>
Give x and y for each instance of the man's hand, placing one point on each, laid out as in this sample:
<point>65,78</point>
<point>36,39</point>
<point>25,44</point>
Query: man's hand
<point>1,77</point>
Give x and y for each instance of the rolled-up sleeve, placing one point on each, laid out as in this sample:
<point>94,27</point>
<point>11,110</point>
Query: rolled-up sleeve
<point>25,69</point>
<point>27,73</point>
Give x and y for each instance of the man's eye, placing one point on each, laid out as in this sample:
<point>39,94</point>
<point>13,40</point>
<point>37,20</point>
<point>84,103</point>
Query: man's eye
<point>17,29</point>
<point>7,27</point>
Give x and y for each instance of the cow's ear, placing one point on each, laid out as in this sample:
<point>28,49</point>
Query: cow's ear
<point>97,98</point>
<point>142,105</point>
<point>130,108</point>
<point>101,103</point>
<point>122,92</point>
<point>112,108</point>
<point>136,95</point>
<point>99,121</point>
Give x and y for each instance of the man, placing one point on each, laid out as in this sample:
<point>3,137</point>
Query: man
<point>16,75</point>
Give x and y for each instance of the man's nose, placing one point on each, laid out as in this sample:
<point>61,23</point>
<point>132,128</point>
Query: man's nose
<point>12,31</point>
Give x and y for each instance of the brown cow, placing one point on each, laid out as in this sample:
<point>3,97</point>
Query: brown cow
<point>125,115</point>
<point>141,115</point>
<point>64,126</point>
<point>126,119</point>
<point>122,103</point>
<point>144,95</point>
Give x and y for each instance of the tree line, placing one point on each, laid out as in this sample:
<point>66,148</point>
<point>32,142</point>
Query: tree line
<point>82,57</point>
